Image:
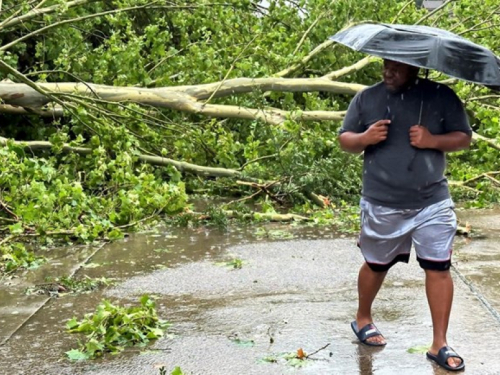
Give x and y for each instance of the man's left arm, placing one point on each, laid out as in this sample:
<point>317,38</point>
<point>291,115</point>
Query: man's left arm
<point>457,131</point>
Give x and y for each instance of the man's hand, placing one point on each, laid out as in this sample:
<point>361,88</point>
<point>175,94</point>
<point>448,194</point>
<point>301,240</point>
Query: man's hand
<point>376,133</point>
<point>420,137</point>
<point>357,142</point>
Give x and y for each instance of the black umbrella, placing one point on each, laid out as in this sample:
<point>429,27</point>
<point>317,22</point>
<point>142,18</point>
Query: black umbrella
<point>425,47</point>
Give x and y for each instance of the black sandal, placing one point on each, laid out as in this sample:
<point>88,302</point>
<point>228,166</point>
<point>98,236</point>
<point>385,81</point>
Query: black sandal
<point>366,332</point>
<point>442,357</point>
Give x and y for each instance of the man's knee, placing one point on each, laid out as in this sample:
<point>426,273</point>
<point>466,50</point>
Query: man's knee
<point>438,277</point>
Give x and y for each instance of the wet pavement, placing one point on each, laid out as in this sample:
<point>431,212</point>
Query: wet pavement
<point>289,294</point>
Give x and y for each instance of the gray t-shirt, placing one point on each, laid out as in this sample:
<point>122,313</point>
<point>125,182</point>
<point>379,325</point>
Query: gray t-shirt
<point>396,174</point>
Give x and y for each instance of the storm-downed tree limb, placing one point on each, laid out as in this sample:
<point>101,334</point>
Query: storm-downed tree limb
<point>164,162</point>
<point>319,200</point>
<point>150,159</point>
<point>247,85</point>
<point>351,69</point>
<point>323,46</point>
<point>265,188</point>
<point>47,111</point>
<point>488,176</point>
<point>187,98</point>
<point>490,142</point>
<point>173,96</point>
<point>254,216</point>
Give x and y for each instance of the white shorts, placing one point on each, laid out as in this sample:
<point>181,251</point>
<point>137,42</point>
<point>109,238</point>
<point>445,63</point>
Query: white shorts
<point>388,233</point>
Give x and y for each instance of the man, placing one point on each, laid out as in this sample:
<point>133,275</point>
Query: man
<point>405,125</point>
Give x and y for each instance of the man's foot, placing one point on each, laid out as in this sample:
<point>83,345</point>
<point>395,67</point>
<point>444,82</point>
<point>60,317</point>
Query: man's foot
<point>447,358</point>
<point>368,334</point>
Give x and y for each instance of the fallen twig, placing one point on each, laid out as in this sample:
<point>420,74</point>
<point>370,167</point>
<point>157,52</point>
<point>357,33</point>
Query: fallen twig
<point>320,349</point>
<point>7,209</point>
<point>464,231</point>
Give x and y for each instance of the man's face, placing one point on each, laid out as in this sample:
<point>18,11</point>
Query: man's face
<point>397,75</point>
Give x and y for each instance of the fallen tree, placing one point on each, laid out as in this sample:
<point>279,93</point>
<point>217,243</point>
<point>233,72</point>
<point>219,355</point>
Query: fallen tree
<point>123,108</point>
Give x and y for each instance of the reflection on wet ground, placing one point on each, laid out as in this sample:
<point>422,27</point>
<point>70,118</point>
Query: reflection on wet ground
<point>478,259</point>
<point>289,294</point>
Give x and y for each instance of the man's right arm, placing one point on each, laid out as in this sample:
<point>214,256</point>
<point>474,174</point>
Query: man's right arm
<point>357,142</point>
<point>352,142</point>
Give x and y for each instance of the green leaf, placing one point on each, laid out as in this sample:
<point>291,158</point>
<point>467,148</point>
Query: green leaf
<point>418,349</point>
<point>16,228</point>
<point>72,323</point>
<point>77,355</point>
<point>244,343</point>
<point>177,371</point>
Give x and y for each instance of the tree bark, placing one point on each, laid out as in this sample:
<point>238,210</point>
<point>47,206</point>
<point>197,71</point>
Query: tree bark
<point>154,160</point>
<point>187,98</point>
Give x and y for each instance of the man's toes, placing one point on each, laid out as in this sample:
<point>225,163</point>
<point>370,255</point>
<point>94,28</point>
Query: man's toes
<point>454,362</point>
<point>376,340</point>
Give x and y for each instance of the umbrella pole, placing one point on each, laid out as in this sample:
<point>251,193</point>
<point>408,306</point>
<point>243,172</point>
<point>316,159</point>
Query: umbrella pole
<point>410,165</point>
<point>422,100</point>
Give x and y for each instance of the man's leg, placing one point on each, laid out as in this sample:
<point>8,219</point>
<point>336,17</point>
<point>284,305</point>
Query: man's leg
<point>383,237</point>
<point>369,283</point>
<point>439,290</point>
<point>433,239</point>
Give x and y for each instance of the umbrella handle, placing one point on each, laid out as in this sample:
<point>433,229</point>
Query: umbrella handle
<point>410,165</point>
<point>421,111</point>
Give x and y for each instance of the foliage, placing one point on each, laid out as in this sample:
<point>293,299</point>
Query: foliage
<point>15,256</point>
<point>419,349</point>
<point>143,44</point>
<point>112,328</point>
<point>217,217</point>
<point>235,263</point>
<point>295,359</point>
<point>66,284</point>
<point>175,371</point>
<point>344,218</point>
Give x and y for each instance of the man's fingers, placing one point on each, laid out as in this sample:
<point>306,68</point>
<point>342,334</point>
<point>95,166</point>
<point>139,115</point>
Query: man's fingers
<point>377,132</point>
<point>382,123</point>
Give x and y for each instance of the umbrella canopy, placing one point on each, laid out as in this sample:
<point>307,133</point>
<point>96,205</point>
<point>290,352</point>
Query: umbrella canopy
<point>425,47</point>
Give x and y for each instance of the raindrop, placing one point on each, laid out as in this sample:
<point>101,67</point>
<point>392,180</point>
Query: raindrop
<point>430,166</point>
<point>403,96</point>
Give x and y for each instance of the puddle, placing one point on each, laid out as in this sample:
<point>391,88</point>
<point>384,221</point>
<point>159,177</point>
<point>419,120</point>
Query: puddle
<point>479,258</point>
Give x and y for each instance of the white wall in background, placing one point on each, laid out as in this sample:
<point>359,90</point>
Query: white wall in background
<point>432,4</point>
